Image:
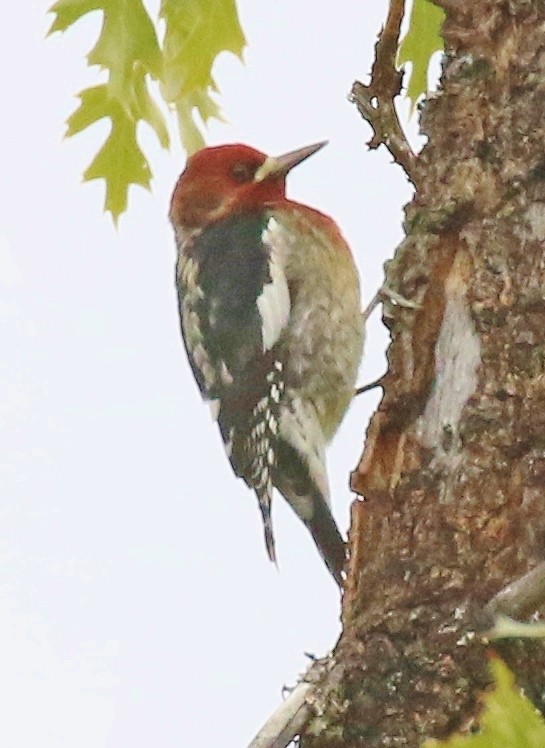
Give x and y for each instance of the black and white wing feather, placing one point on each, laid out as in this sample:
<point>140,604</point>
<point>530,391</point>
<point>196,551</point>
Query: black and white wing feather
<point>234,304</point>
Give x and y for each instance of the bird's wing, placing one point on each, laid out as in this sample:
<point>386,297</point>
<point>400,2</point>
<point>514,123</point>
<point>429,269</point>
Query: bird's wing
<point>234,303</point>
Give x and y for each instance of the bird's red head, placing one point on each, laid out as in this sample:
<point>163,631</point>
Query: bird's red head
<point>229,179</point>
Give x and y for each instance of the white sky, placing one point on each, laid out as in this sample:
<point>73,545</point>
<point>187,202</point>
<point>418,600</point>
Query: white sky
<point>137,604</point>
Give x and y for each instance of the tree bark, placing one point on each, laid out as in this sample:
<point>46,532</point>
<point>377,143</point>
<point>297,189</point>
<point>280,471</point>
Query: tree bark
<point>453,471</point>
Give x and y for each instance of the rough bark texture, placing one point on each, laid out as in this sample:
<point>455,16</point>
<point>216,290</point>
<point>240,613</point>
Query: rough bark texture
<point>453,472</point>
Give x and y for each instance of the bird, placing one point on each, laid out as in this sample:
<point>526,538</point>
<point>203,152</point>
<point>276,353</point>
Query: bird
<point>270,312</point>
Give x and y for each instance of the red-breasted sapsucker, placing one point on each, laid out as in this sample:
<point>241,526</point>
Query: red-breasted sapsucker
<point>270,312</point>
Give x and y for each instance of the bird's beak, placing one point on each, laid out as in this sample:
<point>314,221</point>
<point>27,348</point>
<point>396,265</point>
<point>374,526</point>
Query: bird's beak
<point>275,166</point>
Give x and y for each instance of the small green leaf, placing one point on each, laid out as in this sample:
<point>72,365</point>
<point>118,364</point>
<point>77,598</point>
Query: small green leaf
<point>196,31</point>
<point>417,47</point>
<point>506,627</point>
<point>509,719</point>
<point>120,162</point>
<point>127,48</point>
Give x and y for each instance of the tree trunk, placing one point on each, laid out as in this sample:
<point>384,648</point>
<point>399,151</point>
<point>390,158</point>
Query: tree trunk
<point>453,472</point>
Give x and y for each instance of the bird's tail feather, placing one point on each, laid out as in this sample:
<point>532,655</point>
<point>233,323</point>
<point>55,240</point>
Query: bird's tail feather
<point>303,484</point>
<point>264,499</point>
<point>328,539</point>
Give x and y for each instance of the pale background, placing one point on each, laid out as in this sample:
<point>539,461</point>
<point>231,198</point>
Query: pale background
<point>137,605</point>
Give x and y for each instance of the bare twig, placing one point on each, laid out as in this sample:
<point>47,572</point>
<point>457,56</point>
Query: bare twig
<point>375,102</point>
<point>371,306</point>
<point>369,386</point>
<point>303,703</point>
<point>383,293</point>
<point>521,597</point>
<point>287,721</point>
<point>506,627</point>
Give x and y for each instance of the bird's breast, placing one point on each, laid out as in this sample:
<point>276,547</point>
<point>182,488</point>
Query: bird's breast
<point>322,345</point>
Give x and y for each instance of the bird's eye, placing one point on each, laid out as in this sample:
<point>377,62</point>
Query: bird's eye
<point>243,172</point>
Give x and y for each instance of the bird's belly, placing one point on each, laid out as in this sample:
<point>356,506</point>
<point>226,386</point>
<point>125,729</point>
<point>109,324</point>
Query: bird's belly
<point>323,350</point>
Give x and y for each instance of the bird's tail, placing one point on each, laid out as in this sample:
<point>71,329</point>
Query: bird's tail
<point>313,509</point>
<point>328,539</point>
<point>301,477</point>
<point>264,498</point>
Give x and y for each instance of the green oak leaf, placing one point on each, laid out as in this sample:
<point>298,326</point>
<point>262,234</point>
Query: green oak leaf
<point>417,47</point>
<point>196,32</point>
<point>120,161</point>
